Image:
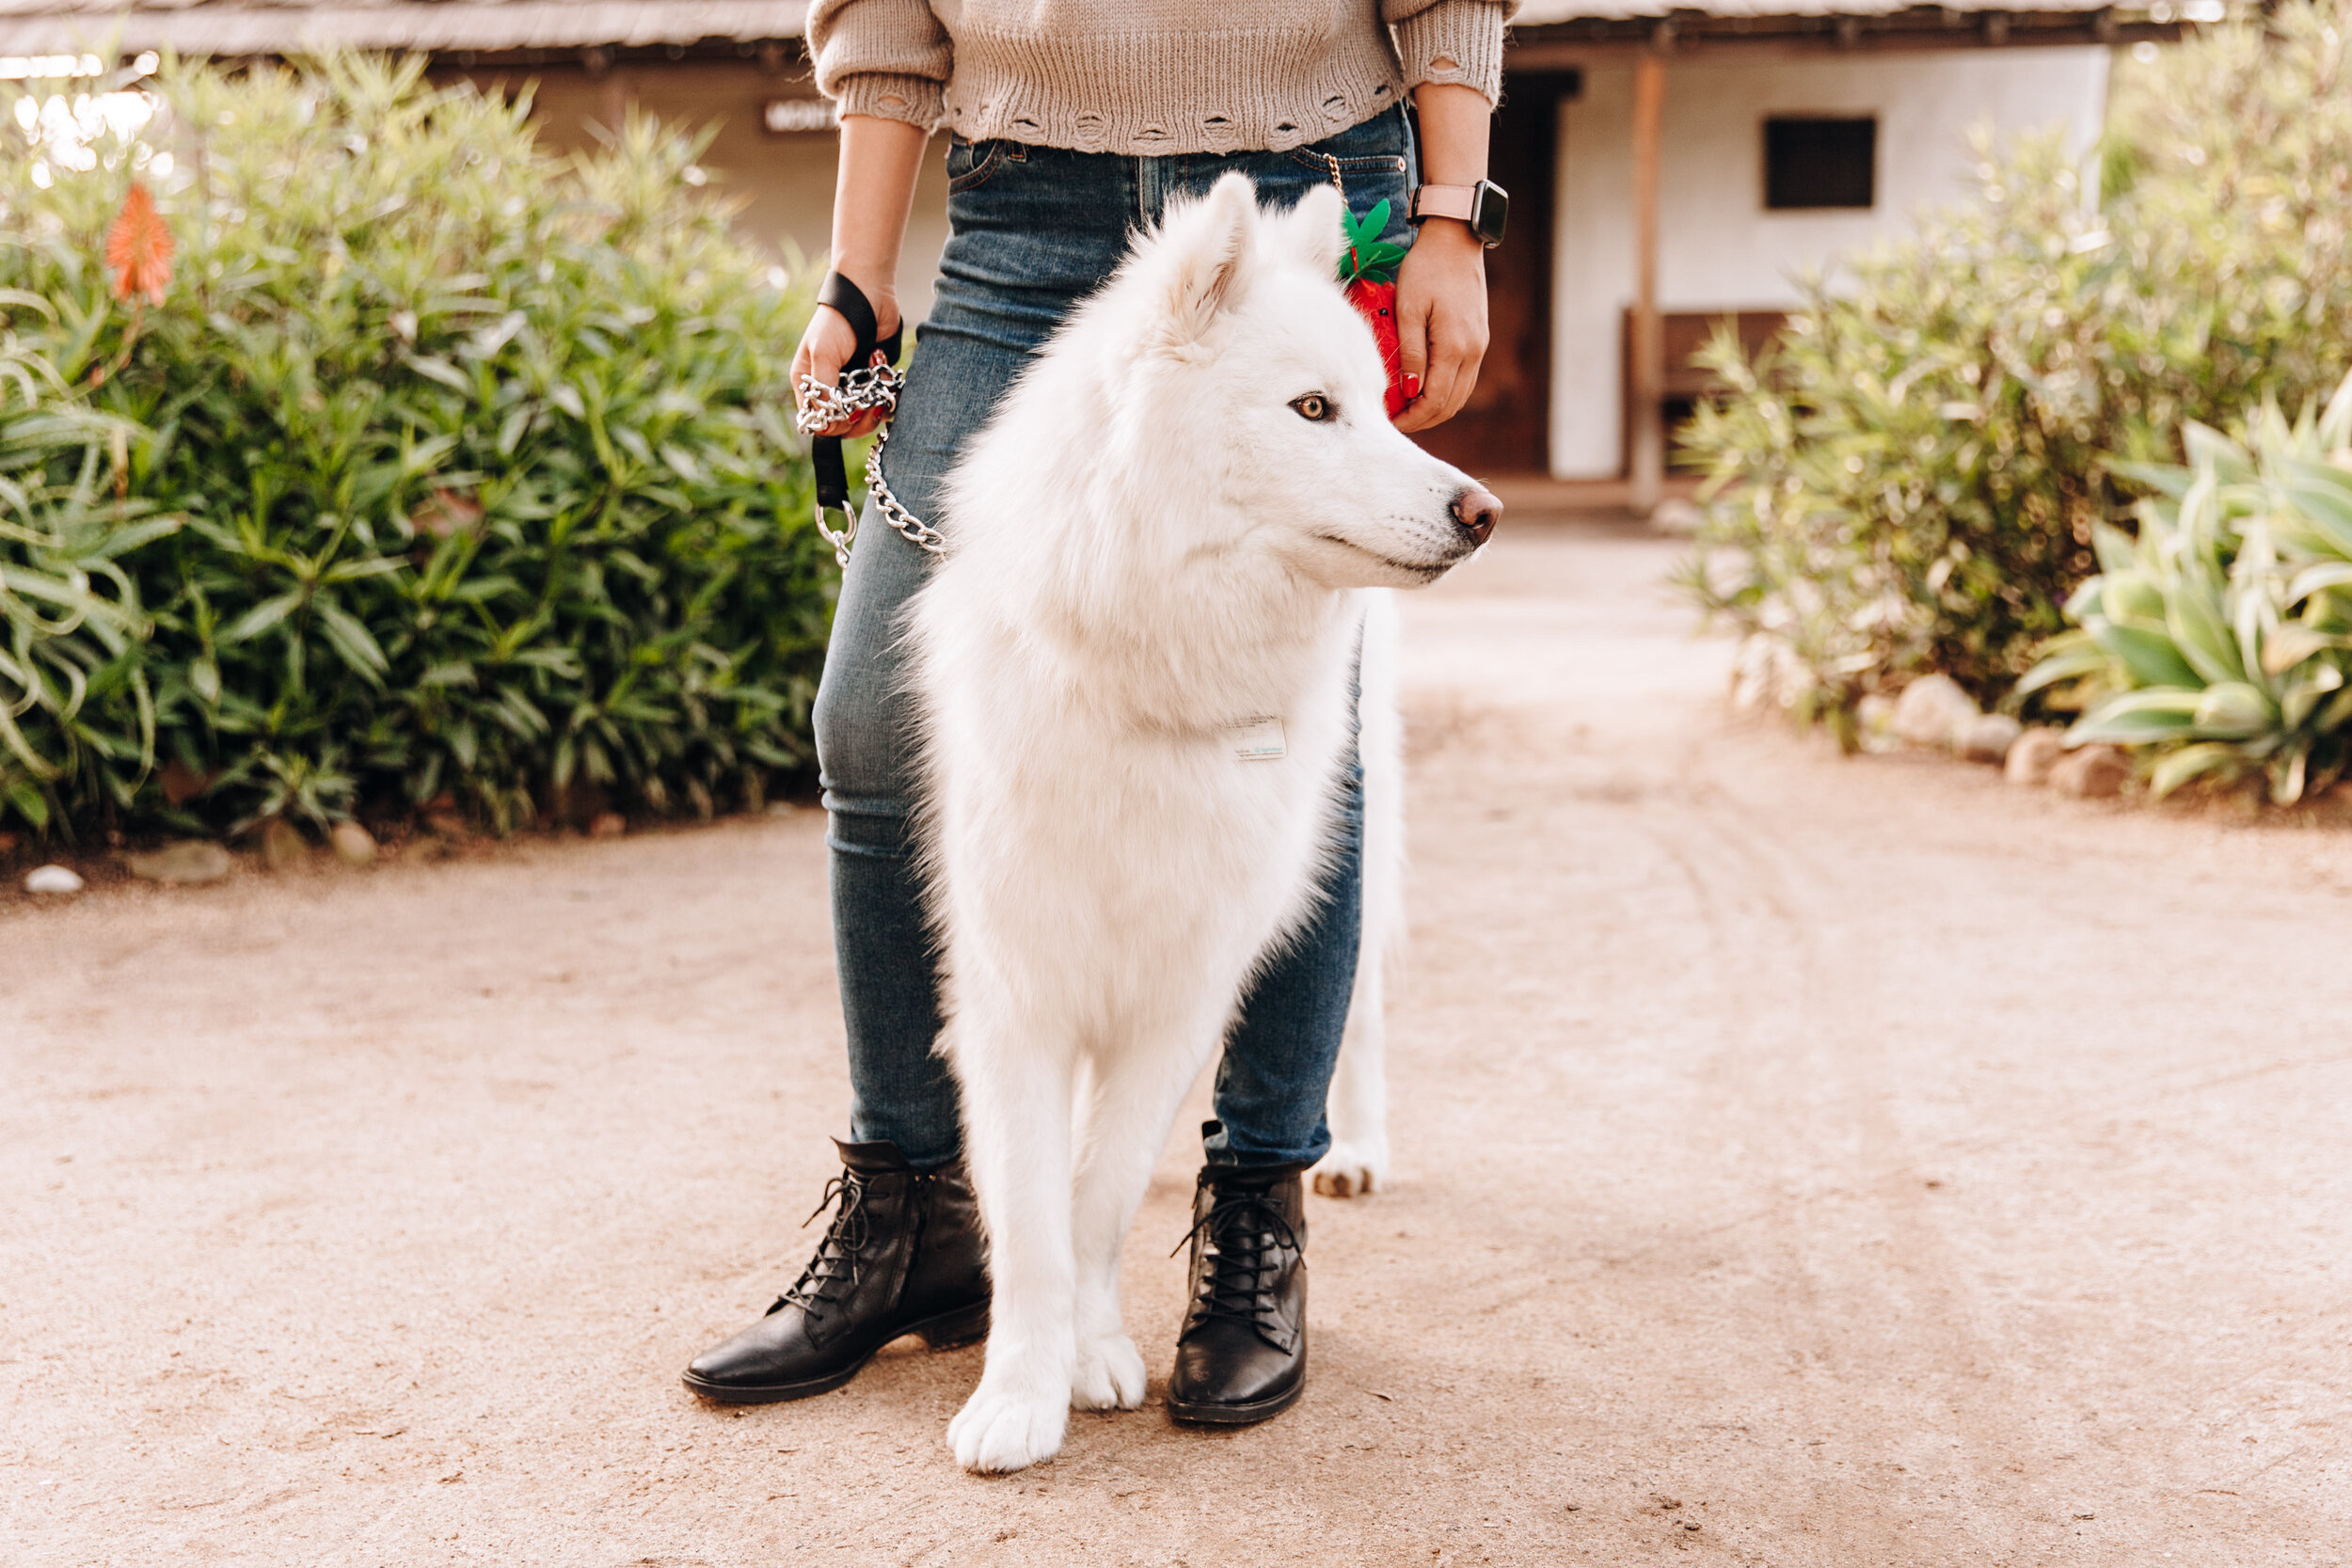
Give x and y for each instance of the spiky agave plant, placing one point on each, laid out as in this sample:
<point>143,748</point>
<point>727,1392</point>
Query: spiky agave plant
<point>2219,637</point>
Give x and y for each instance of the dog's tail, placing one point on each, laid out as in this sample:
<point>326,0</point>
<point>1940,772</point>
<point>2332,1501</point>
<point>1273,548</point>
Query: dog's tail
<point>1358,1160</point>
<point>1380,744</point>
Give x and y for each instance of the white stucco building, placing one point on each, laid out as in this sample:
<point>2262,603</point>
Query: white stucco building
<point>1721,246</point>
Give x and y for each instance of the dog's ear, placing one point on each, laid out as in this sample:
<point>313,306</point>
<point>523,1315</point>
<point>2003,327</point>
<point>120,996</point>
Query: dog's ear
<point>1312,230</point>
<point>1204,252</point>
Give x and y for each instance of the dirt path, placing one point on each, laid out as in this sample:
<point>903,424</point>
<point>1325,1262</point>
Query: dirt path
<point>1804,1161</point>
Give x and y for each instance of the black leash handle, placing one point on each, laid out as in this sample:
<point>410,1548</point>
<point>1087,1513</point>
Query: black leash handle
<point>832,478</point>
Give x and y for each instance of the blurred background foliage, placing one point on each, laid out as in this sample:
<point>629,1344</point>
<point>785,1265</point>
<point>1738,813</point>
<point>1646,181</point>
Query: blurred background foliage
<point>447,471</point>
<point>2219,637</point>
<point>1911,478</point>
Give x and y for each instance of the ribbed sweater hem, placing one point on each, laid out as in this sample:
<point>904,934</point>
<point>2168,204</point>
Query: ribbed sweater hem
<point>912,99</point>
<point>1470,37</point>
<point>1018,86</point>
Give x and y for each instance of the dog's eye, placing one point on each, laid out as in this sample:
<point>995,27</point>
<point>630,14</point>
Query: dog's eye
<point>1314,406</point>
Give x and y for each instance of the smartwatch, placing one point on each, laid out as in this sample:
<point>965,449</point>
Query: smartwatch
<point>1485,207</point>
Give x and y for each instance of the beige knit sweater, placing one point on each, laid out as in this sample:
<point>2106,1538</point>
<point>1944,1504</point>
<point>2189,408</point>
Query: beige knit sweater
<point>1149,76</point>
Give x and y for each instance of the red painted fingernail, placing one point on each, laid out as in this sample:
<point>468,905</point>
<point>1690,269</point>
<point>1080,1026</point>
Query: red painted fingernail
<point>1412,387</point>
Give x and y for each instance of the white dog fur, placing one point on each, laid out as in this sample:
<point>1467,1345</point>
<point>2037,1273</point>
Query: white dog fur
<point>1154,548</point>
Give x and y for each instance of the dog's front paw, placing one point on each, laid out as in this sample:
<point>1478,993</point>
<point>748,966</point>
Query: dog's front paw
<point>1109,1375</point>
<point>1002,1428</point>
<point>1351,1170</point>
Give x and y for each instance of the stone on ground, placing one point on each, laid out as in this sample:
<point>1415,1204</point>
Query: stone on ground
<point>353,844</point>
<point>190,861</point>
<point>2034,753</point>
<point>1987,737</point>
<point>53,880</point>
<point>2091,773</point>
<point>1932,710</point>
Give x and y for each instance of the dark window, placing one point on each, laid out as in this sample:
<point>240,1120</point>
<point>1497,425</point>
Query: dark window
<point>1820,162</point>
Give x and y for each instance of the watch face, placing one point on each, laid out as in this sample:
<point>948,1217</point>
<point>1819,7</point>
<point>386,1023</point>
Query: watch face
<point>1490,214</point>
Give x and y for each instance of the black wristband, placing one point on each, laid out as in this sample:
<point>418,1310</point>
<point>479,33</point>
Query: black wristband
<point>848,298</point>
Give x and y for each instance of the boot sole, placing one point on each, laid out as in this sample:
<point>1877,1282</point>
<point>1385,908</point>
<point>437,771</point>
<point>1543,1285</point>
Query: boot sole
<point>1235,1415</point>
<point>945,1332</point>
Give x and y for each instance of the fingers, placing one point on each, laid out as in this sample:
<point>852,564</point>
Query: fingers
<point>1455,377</point>
<point>1456,341</point>
<point>825,347</point>
<point>1412,345</point>
<point>1441,323</point>
<point>1453,373</point>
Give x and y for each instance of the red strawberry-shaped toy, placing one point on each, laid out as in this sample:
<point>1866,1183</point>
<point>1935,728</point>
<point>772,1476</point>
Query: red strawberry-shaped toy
<point>1369,272</point>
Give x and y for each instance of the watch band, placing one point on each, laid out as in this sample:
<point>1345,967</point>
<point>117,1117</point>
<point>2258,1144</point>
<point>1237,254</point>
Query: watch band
<point>1445,201</point>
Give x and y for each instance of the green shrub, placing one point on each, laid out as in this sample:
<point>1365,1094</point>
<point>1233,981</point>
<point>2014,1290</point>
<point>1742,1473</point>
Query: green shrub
<point>1910,480</point>
<point>2217,637</point>
<point>479,459</point>
<point>68,608</point>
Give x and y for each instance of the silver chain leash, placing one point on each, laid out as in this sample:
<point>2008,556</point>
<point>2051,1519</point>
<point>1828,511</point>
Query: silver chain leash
<point>914,529</point>
<point>874,389</point>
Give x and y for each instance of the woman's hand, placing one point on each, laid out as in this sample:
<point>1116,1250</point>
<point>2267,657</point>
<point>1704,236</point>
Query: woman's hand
<point>879,160</point>
<point>1441,286</point>
<point>826,345</point>
<point>1440,322</point>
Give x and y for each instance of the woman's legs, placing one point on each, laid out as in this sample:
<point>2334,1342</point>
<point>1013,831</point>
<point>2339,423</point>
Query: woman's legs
<point>867,754</point>
<point>1036,229</point>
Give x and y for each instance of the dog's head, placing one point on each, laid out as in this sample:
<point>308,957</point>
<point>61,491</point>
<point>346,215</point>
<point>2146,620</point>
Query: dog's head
<point>1254,359</point>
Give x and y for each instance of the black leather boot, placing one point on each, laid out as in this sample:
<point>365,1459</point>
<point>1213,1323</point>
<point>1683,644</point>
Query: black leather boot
<point>1242,1356</point>
<point>903,1255</point>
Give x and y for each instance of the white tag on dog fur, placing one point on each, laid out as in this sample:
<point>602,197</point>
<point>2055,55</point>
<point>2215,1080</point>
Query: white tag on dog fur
<point>1259,740</point>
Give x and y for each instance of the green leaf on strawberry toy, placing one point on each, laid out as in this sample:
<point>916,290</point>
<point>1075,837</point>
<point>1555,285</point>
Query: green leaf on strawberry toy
<point>1378,259</point>
<point>1368,257</point>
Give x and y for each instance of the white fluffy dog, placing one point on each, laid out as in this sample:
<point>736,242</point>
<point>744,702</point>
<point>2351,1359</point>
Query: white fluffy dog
<point>1133,665</point>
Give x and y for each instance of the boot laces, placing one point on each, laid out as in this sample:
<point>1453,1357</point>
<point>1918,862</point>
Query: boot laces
<point>1235,1236</point>
<point>840,1256</point>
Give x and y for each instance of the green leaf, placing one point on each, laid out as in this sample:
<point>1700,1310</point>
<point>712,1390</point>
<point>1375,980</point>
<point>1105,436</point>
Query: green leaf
<point>2146,653</point>
<point>438,369</point>
<point>262,617</point>
<point>2065,665</point>
<point>2294,642</point>
<point>2200,632</point>
<point>2116,551</point>
<point>2234,710</point>
<point>2139,719</point>
<point>2175,768</point>
<point>2313,579</point>
<point>353,641</point>
<point>29,802</point>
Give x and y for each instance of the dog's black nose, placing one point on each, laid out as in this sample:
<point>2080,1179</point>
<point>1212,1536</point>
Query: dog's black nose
<point>1476,511</point>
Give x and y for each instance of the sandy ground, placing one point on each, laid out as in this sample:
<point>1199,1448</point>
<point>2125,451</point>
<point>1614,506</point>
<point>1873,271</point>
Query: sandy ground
<point>1804,1161</point>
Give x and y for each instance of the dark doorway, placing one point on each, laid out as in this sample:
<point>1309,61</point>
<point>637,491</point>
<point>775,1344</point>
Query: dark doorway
<point>1506,426</point>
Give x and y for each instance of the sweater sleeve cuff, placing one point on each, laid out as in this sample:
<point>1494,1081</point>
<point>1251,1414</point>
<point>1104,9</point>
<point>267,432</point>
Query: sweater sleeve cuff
<point>916,100</point>
<point>1465,35</point>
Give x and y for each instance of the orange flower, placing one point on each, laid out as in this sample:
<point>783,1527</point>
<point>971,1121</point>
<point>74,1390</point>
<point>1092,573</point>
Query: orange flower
<point>138,248</point>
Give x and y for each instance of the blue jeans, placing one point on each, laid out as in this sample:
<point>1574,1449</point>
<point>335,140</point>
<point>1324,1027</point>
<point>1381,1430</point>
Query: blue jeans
<point>1034,231</point>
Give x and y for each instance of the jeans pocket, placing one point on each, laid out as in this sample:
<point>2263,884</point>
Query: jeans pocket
<point>972,163</point>
<point>1375,147</point>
